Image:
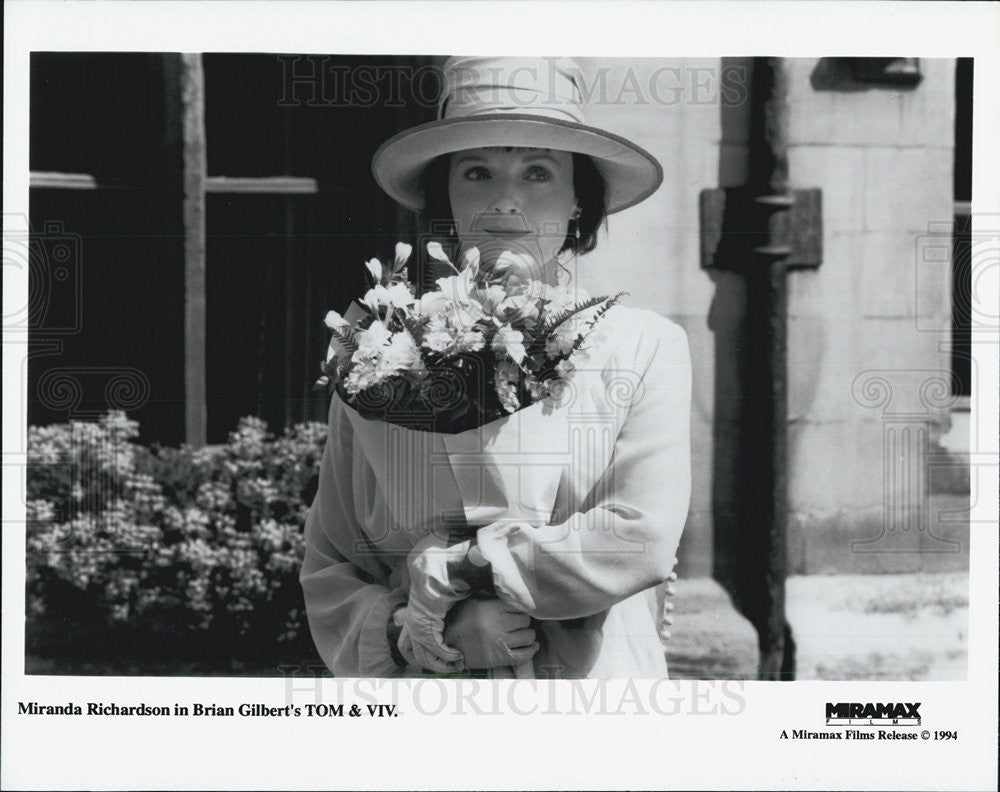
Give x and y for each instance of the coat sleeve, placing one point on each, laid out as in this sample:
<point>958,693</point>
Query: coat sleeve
<point>348,603</point>
<point>624,538</point>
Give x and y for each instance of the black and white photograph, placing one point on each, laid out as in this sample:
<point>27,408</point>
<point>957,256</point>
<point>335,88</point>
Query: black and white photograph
<point>365,390</point>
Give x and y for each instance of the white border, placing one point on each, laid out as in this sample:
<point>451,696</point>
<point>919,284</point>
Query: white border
<point>510,750</point>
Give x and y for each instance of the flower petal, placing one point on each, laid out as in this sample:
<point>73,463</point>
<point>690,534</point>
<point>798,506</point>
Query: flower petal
<point>471,259</point>
<point>437,252</point>
<point>334,320</point>
<point>432,302</point>
<point>375,268</point>
<point>403,252</point>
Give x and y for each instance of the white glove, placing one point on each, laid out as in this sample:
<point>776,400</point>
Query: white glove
<point>443,660</point>
<point>433,590</point>
<point>491,633</point>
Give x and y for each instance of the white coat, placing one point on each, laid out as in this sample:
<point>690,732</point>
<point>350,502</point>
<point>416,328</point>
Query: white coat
<point>609,494</point>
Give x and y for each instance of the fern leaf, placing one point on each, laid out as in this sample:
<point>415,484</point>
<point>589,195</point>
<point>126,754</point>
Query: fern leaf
<point>346,337</point>
<point>573,310</point>
<point>609,302</point>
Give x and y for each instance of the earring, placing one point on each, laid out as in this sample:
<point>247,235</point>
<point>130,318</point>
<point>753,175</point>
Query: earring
<point>576,226</point>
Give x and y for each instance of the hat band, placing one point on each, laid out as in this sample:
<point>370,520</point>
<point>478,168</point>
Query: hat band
<point>558,100</point>
<point>541,112</point>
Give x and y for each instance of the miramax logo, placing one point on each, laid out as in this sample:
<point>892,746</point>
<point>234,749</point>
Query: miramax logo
<point>869,714</point>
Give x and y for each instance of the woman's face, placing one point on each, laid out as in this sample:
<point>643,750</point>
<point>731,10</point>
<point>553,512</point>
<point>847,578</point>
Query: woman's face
<point>513,199</point>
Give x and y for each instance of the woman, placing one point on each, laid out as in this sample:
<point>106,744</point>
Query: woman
<point>406,570</point>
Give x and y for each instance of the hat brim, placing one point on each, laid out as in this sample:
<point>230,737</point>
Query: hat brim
<point>631,174</point>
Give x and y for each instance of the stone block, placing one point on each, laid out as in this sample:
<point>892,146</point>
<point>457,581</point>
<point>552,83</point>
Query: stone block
<point>835,465</point>
<point>907,188</point>
<point>931,536</point>
<point>822,365</point>
<point>839,171</point>
<point>832,290</point>
<point>814,360</point>
<point>895,344</point>
<point>900,280</point>
<point>850,541</point>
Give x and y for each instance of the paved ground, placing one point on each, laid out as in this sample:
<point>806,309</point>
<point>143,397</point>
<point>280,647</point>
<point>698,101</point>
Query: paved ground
<point>871,627</point>
<point>912,627</point>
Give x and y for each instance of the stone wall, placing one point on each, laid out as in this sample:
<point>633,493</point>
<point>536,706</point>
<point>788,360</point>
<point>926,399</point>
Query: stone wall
<point>868,331</point>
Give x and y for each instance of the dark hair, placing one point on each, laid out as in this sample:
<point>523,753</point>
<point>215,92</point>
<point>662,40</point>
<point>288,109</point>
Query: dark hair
<point>588,184</point>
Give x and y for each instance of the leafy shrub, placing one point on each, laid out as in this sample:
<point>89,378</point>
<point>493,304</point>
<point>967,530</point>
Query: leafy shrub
<point>172,544</point>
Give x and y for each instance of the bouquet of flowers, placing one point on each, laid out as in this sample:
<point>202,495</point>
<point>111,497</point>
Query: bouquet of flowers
<point>483,344</point>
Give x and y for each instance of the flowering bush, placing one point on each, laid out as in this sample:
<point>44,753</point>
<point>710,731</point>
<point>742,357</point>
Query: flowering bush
<point>169,543</point>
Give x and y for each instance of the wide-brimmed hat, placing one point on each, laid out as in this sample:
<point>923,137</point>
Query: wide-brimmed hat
<point>524,102</point>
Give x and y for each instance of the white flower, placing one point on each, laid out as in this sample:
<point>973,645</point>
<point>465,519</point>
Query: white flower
<point>372,339</point>
<point>403,252</point>
<point>401,354</point>
<point>471,340</point>
<point>396,296</point>
<point>375,297</point>
<point>375,268</point>
<point>433,302</point>
<point>363,375</point>
<point>435,251</point>
<point>490,298</point>
<point>445,334</point>
<point>437,340</point>
<point>464,317</point>
<point>511,341</point>
<point>334,320</point>
<point>399,295</point>
<point>520,308</point>
<point>459,287</point>
<point>454,288</point>
<point>470,260</point>
<point>437,335</point>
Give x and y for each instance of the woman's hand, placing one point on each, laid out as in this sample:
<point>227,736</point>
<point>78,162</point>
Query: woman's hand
<point>434,589</point>
<point>490,633</point>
